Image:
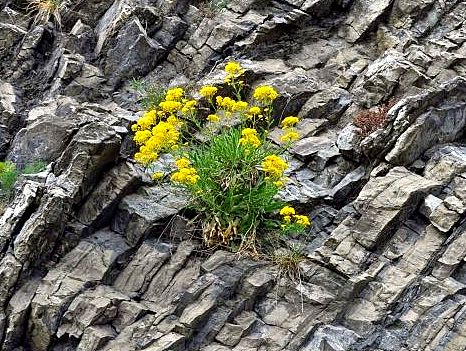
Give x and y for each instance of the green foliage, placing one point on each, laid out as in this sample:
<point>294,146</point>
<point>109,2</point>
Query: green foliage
<point>8,176</point>
<point>288,260</point>
<point>232,191</point>
<point>150,96</point>
<point>216,6</point>
<point>223,158</point>
<point>34,167</point>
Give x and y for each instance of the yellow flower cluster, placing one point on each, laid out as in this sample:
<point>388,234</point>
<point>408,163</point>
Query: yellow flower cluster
<point>289,122</point>
<point>234,71</point>
<point>146,121</point>
<point>250,137</point>
<point>289,214</point>
<point>274,166</point>
<point>174,94</point>
<point>186,174</point>
<point>189,107</point>
<point>265,94</point>
<point>157,176</point>
<point>208,91</point>
<point>170,106</point>
<point>290,134</point>
<point>213,118</point>
<point>158,130</point>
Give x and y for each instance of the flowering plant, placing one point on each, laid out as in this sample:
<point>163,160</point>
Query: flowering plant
<point>232,171</point>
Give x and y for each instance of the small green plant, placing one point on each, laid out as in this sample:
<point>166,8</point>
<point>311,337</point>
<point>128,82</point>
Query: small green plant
<point>212,7</point>
<point>149,95</point>
<point>8,176</point>
<point>235,175</point>
<point>288,261</point>
<point>44,10</point>
<point>33,168</point>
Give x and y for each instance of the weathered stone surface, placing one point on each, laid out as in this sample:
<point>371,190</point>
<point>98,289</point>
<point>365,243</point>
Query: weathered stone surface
<point>100,204</point>
<point>90,152</point>
<point>141,213</point>
<point>18,311</point>
<point>44,139</point>
<point>95,337</point>
<point>37,237</point>
<point>93,307</point>
<point>438,213</point>
<point>319,149</point>
<point>382,266</point>
<point>132,38</point>
<point>445,163</point>
<point>8,101</point>
<point>414,138</point>
<point>135,278</point>
<point>15,213</point>
<point>357,25</point>
<point>329,104</point>
<point>381,204</point>
<point>436,126</point>
<point>10,269</point>
<point>332,338</point>
<point>385,199</point>
<point>232,333</point>
<point>87,264</point>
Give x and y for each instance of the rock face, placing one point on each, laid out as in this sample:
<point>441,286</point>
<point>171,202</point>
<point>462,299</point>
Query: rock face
<point>94,257</point>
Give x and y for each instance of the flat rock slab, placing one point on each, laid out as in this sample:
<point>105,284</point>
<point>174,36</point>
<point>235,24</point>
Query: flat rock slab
<point>387,200</point>
<point>140,213</point>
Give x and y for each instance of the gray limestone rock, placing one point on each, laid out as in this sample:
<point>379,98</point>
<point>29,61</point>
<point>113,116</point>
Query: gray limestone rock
<point>95,337</point>
<point>382,266</point>
<point>44,139</point>
<point>139,214</point>
<point>89,263</point>
<point>357,25</point>
<point>93,307</point>
<point>101,203</point>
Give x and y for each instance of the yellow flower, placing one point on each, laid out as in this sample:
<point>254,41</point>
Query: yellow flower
<point>164,136</point>
<point>141,136</point>
<point>265,94</point>
<point>157,175</point>
<point>186,176</point>
<point>233,68</point>
<point>146,121</point>
<point>274,166</point>
<point>289,136</point>
<point>226,103</point>
<point>189,107</point>
<point>302,220</point>
<point>145,157</point>
<point>289,122</point>
<point>287,211</point>
<point>213,118</point>
<point>249,138</point>
<point>174,121</point>
<point>208,91</point>
<point>170,106</point>
<point>182,163</point>
<point>240,106</point>
<point>174,94</point>
<point>255,110</point>
<point>279,183</point>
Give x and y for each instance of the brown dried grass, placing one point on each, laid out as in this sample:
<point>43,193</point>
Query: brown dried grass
<point>369,121</point>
